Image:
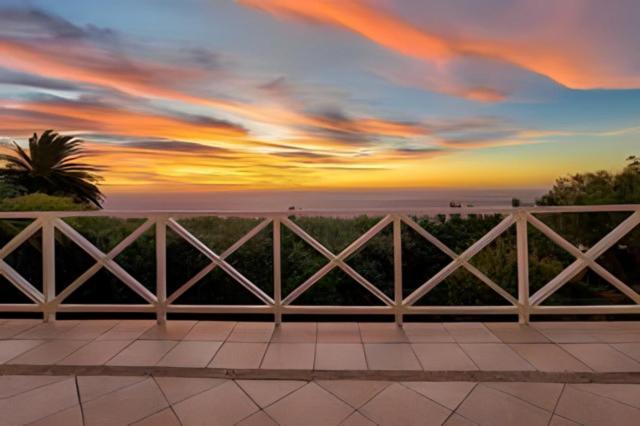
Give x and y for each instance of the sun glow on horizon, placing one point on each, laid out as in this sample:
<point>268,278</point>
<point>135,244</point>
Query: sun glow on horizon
<point>326,94</point>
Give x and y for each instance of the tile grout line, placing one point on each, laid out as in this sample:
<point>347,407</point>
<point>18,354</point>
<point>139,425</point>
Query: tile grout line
<point>622,352</point>
<point>258,405</point>
<point>603,396</point>
<point>487,384</point>
<point>469,356</point>
<point>170,405</point>
<point>75,379</point>
<point>425,397</point>
<point>555,407</point>
<point>462,402</point>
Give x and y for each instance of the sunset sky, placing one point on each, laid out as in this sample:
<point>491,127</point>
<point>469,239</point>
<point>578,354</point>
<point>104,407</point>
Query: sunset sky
<point>298,94</point>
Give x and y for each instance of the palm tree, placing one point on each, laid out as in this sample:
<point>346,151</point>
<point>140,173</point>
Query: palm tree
<point>51,167</point>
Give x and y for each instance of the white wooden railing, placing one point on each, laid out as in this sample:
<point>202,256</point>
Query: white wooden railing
<point>49,301</point>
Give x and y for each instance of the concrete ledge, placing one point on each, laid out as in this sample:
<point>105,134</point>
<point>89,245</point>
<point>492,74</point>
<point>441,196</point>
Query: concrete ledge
<point>290,374</point>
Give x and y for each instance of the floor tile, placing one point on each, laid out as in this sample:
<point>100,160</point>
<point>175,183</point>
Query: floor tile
<point>632,350</point>
<point>340,356</point>
<point>68,417</point>
<point>397,405</point>
<point>443,356</point>
<point>266,392</point>
<point>449,394</point>
<point>470,332</point>
<point>356,393</point>
<point>394,356</point>
<point>10,349</point>
<point>12,328</point>
<point>95,353</point>
<point>626,393</point>
<point>89,329</point>
<point>377,332</point>
<point>49,352</point>
<point>602,357</point>
<point>489,406</point>
<point>258,419</point>
<point>516,333</point>
<point>165,417</point>
<point>177,389</point>
<point>338,332</point>
<point>190,354</point>
<point>92,387</point>
<point>14,385</point>
<point>295,332</point>
<point>252,332</point>
<point>548,357</point>
<point>357,419</point>
<point>561,421</point>
<point>310,405</point>
<point>589,409</point>
<point>48,330</point>
<point>617,336</point>
<point>543,395</point>
<point>171,330</point>
<point>458,420</point>
<point>427,333</point>
<point>39,403</point>
<point>126,405</point>
<point>143,353</point>
<point>216,331</point>
<point>223,405</point>
<point>281,356</point>
<point>127,330</point>
<point>239,355</point>
<point>569,335</point>
<point>495,357</point>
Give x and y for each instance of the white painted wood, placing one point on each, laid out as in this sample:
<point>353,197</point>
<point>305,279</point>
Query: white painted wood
<point>228,252</point>
<point>461,260</point>
<point>338,260</point>
<point>49,301</point>
<point>397,268</point>
<point>48,268</point>
<point>20,283</point>
<point>277,271</point>
<point>584,259</point>
<point>161,269</point>
<point>246,283</point>
<point>104,260</point>
<point>522,253</point>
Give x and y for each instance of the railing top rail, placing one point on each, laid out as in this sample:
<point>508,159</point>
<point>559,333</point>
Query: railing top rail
<point>326,212</point>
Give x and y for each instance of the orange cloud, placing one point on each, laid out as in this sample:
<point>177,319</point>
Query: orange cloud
<point>570,66</point>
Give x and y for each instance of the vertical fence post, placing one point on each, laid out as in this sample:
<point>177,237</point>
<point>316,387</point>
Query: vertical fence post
<point>48,268</point>
<point>522,247</point>
<point>277,271</point>
<point>397,268</point>
<point>161,269</point>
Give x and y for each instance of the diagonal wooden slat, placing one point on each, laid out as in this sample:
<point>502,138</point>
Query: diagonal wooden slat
<point>457,261</point>
<point>337,260</point>
<point>105,260</point>
<point>228,252</point>
<point>224,265</point>
<point>461,260</point>
<point>464,263</point>
<point>20,283</point>
<point>20,238</point>
<point>586,259</point>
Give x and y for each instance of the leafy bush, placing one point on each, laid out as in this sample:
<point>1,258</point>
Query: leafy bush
<point>41,202</point>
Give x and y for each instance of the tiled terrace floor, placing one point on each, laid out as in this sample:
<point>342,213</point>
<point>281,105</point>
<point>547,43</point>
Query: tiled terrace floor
<point>136,387</point>
<point>158,401</point>
<point>545,347</point>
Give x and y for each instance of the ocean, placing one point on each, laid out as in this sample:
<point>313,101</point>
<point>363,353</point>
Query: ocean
<point>318,200</point>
